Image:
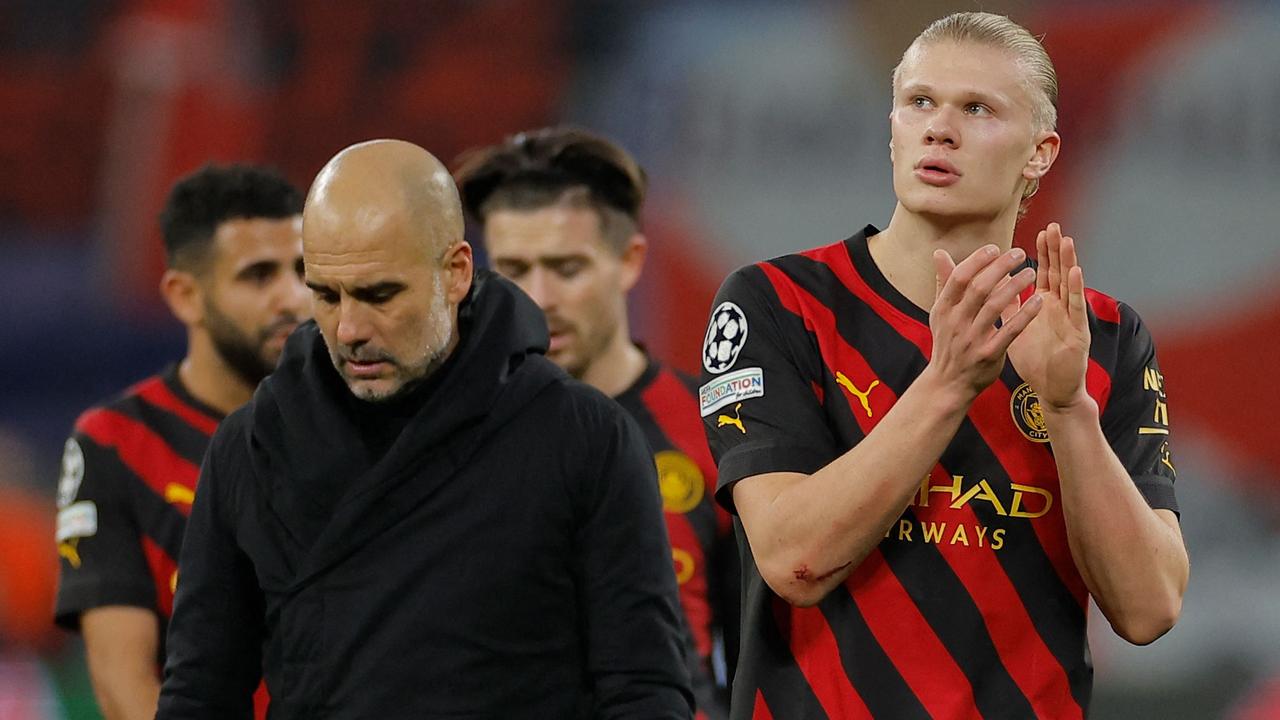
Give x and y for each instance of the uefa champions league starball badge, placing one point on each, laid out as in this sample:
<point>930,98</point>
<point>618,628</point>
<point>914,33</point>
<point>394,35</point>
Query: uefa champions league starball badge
<point>726,335</point>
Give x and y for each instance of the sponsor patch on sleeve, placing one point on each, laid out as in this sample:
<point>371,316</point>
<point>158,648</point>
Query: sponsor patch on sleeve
<point>77,520</point>
<point>72,472</point>
<point>734,387</point>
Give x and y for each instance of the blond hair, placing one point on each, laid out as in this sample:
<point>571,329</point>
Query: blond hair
<point>1000,32</point>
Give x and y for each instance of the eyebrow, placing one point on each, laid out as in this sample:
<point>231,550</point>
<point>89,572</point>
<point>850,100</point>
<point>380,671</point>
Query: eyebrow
<point>363,292</point>
<point>257,265</point>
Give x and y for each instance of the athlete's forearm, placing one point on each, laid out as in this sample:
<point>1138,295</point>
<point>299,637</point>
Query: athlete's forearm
<point>124,692</point>
<point>809,532</point>
<point>1131,558</point>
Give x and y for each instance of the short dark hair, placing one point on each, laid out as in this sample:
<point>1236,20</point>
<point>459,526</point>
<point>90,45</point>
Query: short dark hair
<point>214,194</point>
<point>532,170</point>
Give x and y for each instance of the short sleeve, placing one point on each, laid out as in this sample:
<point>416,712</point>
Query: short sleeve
<point>757,399</point>
<point>1136,418</point>
<point>99,546</point>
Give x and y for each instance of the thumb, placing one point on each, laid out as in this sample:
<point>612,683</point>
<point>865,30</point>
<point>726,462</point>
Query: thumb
<point>943,266</point>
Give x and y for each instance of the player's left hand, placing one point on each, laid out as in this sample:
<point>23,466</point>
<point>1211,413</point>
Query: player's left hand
<point>1052,354</point>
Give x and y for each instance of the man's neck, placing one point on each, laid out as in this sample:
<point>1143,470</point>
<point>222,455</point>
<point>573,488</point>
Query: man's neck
<point>618,367</point>
<point>208,378</point>
<point>904,251</point>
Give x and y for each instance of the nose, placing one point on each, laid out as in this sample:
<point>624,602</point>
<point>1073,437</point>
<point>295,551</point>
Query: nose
<point>293,298</point>
<point>353,328</point>
<point>942,129</point>
<point>542,288</point>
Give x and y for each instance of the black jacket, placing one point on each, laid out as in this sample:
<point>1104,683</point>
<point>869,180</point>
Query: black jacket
<point>497,552</point>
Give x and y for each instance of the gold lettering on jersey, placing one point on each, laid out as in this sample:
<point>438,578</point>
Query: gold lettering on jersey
<point>173,582</point>
<point>862,395</point>
<point>680,481</point>
<point>943,533</point>
<point>684,565</point>
<point>1023,501</point>
<point>1017,500</point>
<point>175,493</point>
<point>1028,416</point>
<point>1161,416</point>
<point>69,549</point>
<point>735,421</point>
<point>1166,458</point>
<point>1153,380</point>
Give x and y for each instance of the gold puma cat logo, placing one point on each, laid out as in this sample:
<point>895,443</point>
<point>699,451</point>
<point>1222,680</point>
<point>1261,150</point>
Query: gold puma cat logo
<point>845,382</point>
<point>735,421</point>
<point>175,494</point>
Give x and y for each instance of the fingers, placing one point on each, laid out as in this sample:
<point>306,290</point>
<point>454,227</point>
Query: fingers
<point>1010,329</point>
<point>943,266</point>
<point>974,279</point>
<point>1003,296</point>
<point>1076,301</point>
<point>1067,261</point>
<point>959,276</point>
<point>1042,262</point>
<point>1053,247</point>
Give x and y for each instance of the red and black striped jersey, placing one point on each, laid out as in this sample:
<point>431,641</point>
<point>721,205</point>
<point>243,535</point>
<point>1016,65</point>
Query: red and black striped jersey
<point>971,606</point>
<point>129,474</point>
<point>664,404</point>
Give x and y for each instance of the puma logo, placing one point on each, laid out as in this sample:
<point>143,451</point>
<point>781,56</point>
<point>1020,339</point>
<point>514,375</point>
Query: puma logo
<point>175,494</point>
<point>847,384</point>
<point>735,421</point>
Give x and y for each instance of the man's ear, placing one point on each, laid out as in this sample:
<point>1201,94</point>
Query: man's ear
<point>184,296</point>
<point>458,268</point>
<point>633,257</point>
<point>1046,151</point>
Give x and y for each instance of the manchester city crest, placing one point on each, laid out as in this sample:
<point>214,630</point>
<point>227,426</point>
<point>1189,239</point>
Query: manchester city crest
<point>1028,415</point>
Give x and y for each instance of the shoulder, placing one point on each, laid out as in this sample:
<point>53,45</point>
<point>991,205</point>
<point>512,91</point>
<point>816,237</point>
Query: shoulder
<point>104,422</point>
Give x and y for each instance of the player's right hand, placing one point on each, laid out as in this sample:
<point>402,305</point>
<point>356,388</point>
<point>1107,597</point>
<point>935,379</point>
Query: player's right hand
<point>968,349</point>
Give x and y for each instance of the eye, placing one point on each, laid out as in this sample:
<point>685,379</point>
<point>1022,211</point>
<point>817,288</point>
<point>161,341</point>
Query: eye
<point>324,295</point>
<point>977,109</point>
<point>570,268</point>
<point>921,101</point>
<point>511,270</point>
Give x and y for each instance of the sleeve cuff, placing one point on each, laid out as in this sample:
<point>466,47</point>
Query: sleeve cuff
<point>75,599</point>
<point>1157,490</point>
<point>748,460</point>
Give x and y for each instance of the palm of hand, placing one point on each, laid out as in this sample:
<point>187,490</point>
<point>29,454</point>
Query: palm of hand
<point>1052,354</point>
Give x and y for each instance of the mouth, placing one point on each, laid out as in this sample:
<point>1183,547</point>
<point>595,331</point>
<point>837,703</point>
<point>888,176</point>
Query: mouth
<point>560,336</point>
<point>937,172</point>
<point>277,333</point>
<point>370,368</point>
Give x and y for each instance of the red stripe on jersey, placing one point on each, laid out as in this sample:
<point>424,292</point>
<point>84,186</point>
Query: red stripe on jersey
<point>836,257</point>
<point>143,451</point>
<point>919,656</point>
<point>817,654</point>
<point>675,409</point>
<point>942,688</point>
<point>1028,463</point>
<point>1022,650</point>
<point>163,569</point>
<point>693,580</point>
<point>1104,306</point>
<point>155,391</point>
<point>760,711</point>
<point>1030,663</point>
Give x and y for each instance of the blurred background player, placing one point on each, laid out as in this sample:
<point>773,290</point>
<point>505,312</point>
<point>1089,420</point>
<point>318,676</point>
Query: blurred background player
<point>560,209</point>
<point>233,246</point>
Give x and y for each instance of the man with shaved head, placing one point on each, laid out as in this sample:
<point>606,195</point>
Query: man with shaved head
<point>419,515</point>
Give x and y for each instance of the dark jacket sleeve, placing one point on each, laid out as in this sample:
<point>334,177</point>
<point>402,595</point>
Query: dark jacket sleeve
<point>629,597</point>
<point>215,637</point>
